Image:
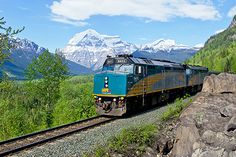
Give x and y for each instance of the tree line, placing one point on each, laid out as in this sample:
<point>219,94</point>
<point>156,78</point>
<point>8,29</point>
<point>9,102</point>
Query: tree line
<point>48,97</point>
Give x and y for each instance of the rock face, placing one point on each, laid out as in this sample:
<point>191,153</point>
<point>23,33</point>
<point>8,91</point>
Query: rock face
<point>207,127</point>
<point>222,83</point>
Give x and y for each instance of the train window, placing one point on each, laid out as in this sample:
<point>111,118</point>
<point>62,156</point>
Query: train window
<point>138,69</point>
<point>126,68</point>
<point>108,67</point>
<point>188,72</point>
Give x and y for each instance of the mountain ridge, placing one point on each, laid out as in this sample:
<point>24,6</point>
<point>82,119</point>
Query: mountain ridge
<point>22,55</point>
<point>90,49</point>
<point>218,53</point>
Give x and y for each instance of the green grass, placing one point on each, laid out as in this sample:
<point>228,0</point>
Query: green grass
<point>174,110</point>
<point>129,140</point>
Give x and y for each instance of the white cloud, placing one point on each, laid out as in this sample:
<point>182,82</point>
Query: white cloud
<point>219,31</point>
<point>232,12</point>
<point>200,45</point>
<point>154,10</point>
<point>68,21</point>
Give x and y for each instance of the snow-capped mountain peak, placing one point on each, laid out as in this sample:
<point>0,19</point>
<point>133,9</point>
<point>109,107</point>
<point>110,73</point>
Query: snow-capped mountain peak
<point>26,45</point>
<point>163,45</point>
<point>89,33</point>
<point>88,47</point>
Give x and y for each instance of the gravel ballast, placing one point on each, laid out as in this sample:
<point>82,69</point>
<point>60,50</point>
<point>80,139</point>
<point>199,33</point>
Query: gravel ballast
<point>87,141</point>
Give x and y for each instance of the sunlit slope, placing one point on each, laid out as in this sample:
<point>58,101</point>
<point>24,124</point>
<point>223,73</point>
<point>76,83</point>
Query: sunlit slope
<point>219,52</point>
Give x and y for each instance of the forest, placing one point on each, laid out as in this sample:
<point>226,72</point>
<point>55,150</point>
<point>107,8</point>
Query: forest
<point>49,97</point>
<point>218,53</point>
<point>24,110</point>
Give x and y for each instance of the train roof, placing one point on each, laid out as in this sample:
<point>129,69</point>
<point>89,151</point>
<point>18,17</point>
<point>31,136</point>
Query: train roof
<point>146,61</point>
<point>155,62</point>
<point>197,67</point>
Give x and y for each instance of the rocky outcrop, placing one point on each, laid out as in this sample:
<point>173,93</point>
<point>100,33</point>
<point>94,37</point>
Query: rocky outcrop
<point>207,127</point>
<point>222,83</point>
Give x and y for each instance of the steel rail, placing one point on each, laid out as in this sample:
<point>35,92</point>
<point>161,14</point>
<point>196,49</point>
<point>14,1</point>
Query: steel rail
<point>91,122</point>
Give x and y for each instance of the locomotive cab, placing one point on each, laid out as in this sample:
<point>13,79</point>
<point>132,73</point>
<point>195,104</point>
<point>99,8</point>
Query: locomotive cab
<point>112,84</point>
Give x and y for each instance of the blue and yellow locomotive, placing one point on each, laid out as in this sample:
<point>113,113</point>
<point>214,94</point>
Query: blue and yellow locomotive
<point>127,83</point>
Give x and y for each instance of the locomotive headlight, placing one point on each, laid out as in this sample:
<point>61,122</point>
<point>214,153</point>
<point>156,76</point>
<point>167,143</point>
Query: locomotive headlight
<point>114,99</point>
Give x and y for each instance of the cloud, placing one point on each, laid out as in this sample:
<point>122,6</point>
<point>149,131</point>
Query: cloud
<point>219,31</point>
<point>200,45</point>
<point>67,21</point>
<point>232,12</point>
<point>151,10</point>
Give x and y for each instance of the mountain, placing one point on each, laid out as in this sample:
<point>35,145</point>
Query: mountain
<point>218,53</point>
<point>166,50</point>
<point>23,53</point>
<point>90,49</point>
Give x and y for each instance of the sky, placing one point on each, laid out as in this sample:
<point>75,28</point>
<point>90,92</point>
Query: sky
<point>51,23</point>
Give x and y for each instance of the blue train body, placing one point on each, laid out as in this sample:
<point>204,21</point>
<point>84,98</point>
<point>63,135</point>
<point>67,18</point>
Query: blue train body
<point>117,83</point>
<point>127,83</point>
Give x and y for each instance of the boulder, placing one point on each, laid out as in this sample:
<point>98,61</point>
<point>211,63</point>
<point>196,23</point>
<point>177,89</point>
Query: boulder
<point>186,136</point>
<point>222,83</point>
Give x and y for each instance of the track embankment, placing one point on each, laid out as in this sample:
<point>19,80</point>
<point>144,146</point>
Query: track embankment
<point>41,137</point>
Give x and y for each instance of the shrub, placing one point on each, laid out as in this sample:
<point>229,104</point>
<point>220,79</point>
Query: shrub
<point>174,110</point>
<point>130,139</point>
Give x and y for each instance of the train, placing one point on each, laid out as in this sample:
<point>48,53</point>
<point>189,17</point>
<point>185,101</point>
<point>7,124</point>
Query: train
<point>126,83</point>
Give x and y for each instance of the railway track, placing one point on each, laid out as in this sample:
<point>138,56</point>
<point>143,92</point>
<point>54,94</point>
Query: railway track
<point>37,138</point>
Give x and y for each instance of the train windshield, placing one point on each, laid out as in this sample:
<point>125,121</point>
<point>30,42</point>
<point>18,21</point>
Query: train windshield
<point>125,68</point>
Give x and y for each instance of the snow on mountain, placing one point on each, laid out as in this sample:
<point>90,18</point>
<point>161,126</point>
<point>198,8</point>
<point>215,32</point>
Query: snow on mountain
<point>90,49</point>
<point>24,51</point>
<point>163,45</point>
<point>168,50</point>
<point>22,54</point>
<point>26,45</point>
